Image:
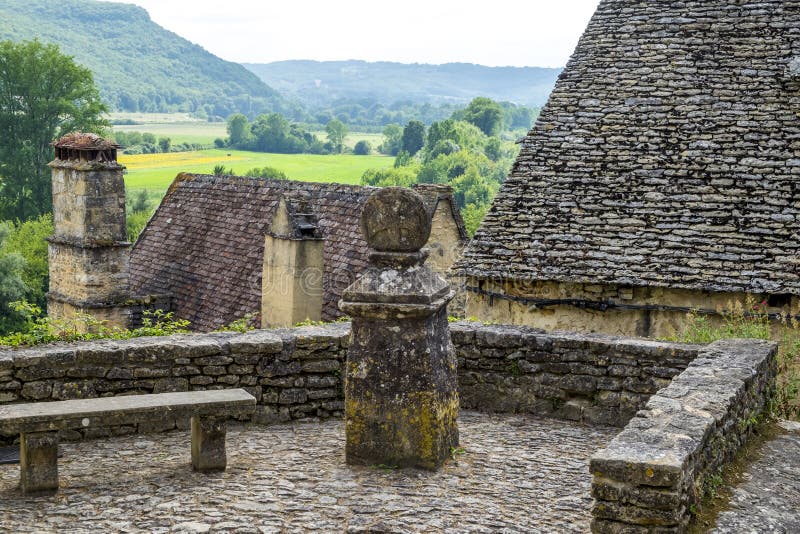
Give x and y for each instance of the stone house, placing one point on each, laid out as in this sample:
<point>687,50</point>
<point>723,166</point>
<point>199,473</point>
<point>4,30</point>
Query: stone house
<point>222,247</point>
<point>663,175</point>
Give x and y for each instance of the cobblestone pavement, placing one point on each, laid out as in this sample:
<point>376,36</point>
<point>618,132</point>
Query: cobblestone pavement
<point>769,499</point>
<point>518,473</point>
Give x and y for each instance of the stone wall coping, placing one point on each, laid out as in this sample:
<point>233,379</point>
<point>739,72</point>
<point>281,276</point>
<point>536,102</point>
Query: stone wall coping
<point>655,468</point>
<point>677,420</point>
<point>503,335</point>
<point>176,346</point>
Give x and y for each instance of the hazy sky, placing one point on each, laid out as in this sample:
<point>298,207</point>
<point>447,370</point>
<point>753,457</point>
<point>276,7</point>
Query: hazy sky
<point>495,32</point>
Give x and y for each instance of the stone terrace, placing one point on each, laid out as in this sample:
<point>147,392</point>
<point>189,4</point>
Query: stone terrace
<point>519,473</point>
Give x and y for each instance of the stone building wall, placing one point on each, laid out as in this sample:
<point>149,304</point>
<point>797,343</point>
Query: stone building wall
<point>614,309</point>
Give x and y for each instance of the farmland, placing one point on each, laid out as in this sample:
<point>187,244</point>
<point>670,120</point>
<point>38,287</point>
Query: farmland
<point>183,128</point>
<point>155,172</point>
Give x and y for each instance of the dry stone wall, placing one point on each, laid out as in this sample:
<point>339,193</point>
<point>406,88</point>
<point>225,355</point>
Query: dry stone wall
<point>700,402</point>
<point>581,377</point>
<point>296,373</point>
<point>293,374</point>
<point>656,469</point>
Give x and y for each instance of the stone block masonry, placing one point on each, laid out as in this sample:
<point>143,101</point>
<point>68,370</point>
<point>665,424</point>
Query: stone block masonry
<point>581,377</point>
<point>653,473</point>
<point>293,374</point>
<point>296,373</point>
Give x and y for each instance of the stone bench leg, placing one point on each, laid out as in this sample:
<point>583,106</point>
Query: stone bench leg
<point>208,444</point>
<point>38,461</point>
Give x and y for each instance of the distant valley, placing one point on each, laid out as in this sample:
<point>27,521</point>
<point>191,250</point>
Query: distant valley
<point>320,84</point>
<point>140,66</point>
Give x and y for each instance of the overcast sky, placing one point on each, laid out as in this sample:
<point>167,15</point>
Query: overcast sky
<point>539,33</point>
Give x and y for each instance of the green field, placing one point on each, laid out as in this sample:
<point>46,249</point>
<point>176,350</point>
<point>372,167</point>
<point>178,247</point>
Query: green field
<point>182,128</point>
<point>155,172</point>
<point>199,132</point>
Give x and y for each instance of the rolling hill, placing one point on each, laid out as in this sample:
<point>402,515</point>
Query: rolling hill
<point>321,83</point>
<point>137,64</point>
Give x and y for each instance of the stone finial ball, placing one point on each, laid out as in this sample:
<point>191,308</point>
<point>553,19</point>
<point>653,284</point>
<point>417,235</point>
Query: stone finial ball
<point>395,220</point>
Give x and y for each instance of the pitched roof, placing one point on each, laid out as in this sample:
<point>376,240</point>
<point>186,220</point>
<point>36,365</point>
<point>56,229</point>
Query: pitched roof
<point>667,155</point>
<point>205,243</point>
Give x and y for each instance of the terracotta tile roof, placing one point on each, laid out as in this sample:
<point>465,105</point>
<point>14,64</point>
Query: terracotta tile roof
<point>205,243</point>
<point>667,155</point>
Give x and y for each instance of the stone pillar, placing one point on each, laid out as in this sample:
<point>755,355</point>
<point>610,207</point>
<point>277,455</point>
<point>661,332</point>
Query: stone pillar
<point>208,443</point>
<point>38,461</point>
<point>89,252</point>
<point>291,280</point>
<point>401,397</point>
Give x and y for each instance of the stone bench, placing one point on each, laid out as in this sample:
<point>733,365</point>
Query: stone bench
<point>38,425</point>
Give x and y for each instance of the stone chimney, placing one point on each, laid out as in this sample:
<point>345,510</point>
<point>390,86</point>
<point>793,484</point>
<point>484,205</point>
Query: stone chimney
<point>291,281</point>
<point>89,251</point>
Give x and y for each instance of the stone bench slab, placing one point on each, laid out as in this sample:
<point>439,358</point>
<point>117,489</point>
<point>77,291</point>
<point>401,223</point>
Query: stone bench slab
<point>130,409</point>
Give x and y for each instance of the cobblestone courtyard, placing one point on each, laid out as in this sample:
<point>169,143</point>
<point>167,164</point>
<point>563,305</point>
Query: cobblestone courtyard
<point>518,473</point>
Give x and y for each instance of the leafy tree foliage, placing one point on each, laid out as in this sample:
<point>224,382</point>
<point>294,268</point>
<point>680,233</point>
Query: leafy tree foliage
<point>138,65</point>
<point>392,140</point>
<point>238,130</point>
<point>413,137</point>
<point>404,176</point>
<point>459,154</point>
<point>486,114</point>
<point>362,148</point>
<point>336,131</point>
<point>29,240</point>
<point>267,172</point>
<point>43,95</point>
<point>139,209</point>
<point>271,133</point>
<point>12,285</point>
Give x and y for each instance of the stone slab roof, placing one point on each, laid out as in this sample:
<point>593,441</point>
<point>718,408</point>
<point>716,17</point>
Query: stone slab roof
<point>667,155</point>
<point>205,243</point>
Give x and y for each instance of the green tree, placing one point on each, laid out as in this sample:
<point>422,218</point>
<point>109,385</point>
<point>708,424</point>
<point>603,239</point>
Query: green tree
<point>336,131</point>
<point>238,130</point>
<point>393,176</point>
<point>266,172</point>
<point>165,143</point>
<point>413,137</point>
<point>362,148</point>
<point>486,114</point>
<point>43,95</point>
<point>392,139</point>
<point>28,239</point>
<point>12,285</point>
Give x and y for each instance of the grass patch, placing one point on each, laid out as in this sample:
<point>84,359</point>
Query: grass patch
<point>751,320</point>
<point>202,133</point>
<point>156,171</point>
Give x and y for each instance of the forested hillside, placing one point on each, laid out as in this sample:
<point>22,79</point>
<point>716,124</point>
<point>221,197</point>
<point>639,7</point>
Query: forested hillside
<point>137,64</point>
<point>321,84</point>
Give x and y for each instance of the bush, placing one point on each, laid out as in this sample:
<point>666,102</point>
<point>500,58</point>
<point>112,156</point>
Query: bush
<point>266,172</point>
<point>39,329</point>
<point>751,320</point>
<point>362,148</point>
